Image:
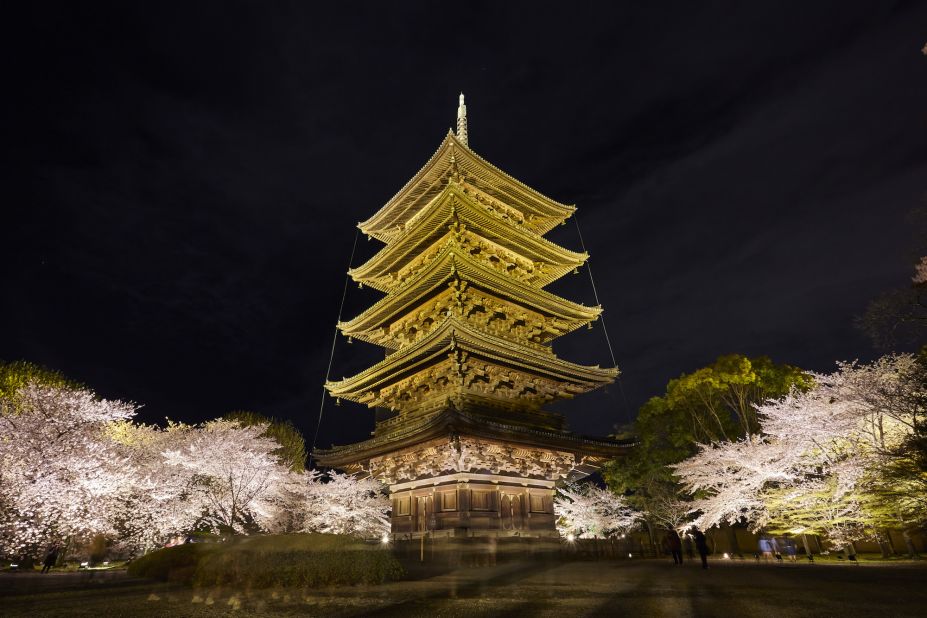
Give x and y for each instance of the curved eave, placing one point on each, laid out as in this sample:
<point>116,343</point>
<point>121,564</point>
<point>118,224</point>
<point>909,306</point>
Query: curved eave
<point>382,225</point>
<point>451,263</point>
<point>452,422</point>
<point>454,334</point>
<point>441,212</point>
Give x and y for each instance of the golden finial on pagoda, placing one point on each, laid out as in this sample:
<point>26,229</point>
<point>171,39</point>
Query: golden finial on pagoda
<point>462,121</point>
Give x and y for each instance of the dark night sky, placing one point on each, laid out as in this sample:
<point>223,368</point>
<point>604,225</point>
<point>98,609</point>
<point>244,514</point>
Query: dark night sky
<point>181,182</point>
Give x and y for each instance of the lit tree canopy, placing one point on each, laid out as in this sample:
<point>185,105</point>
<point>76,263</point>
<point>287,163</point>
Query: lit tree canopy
<point>73,465</point>
<point>711,404</point>
<point>19,374</point>
<point>292,449</point>
<point>839,459</point>
<point>59,473</point>
<point>587,511</point>
<point>345,504</point>
<point>234,470</point>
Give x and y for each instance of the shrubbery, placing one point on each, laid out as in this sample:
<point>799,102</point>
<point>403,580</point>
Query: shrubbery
<point>171,563</point>
<point>283,560</point>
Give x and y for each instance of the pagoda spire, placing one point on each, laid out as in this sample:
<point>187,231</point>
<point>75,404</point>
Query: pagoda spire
<point>462,121</point>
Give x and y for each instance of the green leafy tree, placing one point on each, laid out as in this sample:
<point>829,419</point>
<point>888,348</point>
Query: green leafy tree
<point>292,451</point>
<point>14,376</point>
<point>710,404</point>
<point>717,402</point>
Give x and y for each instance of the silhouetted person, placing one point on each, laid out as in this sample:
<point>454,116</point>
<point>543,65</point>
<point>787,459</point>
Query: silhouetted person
<point>50,559</point>
<point>701,546</point>
<point>791,550</point>
<point>674,546</point>
<point>766,547</point>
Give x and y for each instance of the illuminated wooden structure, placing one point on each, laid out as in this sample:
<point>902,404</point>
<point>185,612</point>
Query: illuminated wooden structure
<point>462,439</point>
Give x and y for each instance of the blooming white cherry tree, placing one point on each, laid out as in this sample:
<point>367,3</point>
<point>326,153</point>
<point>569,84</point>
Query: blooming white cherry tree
<point>820,465</point>
<point>587,511</point>
<point>233,472</point>
<point>73,465</point>
<point>729,479</point>
<point>345,504</point>
<point>60,475</point>
<point>161,503</point>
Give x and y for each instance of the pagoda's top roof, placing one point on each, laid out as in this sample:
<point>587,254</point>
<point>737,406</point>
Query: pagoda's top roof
<point>541,213</point>
<point>453,422</point>
<point>449,206</point>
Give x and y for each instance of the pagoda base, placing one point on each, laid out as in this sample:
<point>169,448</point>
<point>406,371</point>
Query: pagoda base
<point>467,504</point>
<point>455,474</point>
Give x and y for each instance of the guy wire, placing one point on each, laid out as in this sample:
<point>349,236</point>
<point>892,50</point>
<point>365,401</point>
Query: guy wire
<point>331,356</point>
<point>608,341</point>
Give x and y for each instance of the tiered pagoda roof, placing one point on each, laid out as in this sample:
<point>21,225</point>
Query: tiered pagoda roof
<point>491,186</point>
<point>465,320</point>
<point>457,215</point>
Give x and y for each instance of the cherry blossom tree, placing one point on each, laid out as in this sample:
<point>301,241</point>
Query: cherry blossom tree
<point>162,502</point>
<point>338,503</point>
<point>821,464</point>
<point>73,465</point>
<point>728,478</point>
<point>60,475</point>
<point>234,472</point>
<point>587,511</point>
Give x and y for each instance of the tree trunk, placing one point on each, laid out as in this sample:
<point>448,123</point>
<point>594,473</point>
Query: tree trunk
<point>804,540</point>
<point>653,542</point>
<point>885,544</point>
<point>64,552</point>
<point>732,539</point>
<point>851,550</point>
<point>909,543</point>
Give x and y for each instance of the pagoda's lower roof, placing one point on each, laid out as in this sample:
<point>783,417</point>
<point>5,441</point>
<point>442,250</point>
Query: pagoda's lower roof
<point>452,422</point>
<point>454,334</point>
<point>451,263</point>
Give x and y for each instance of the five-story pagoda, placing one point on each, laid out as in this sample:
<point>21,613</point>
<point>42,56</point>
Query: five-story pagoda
<point>462,439</point>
